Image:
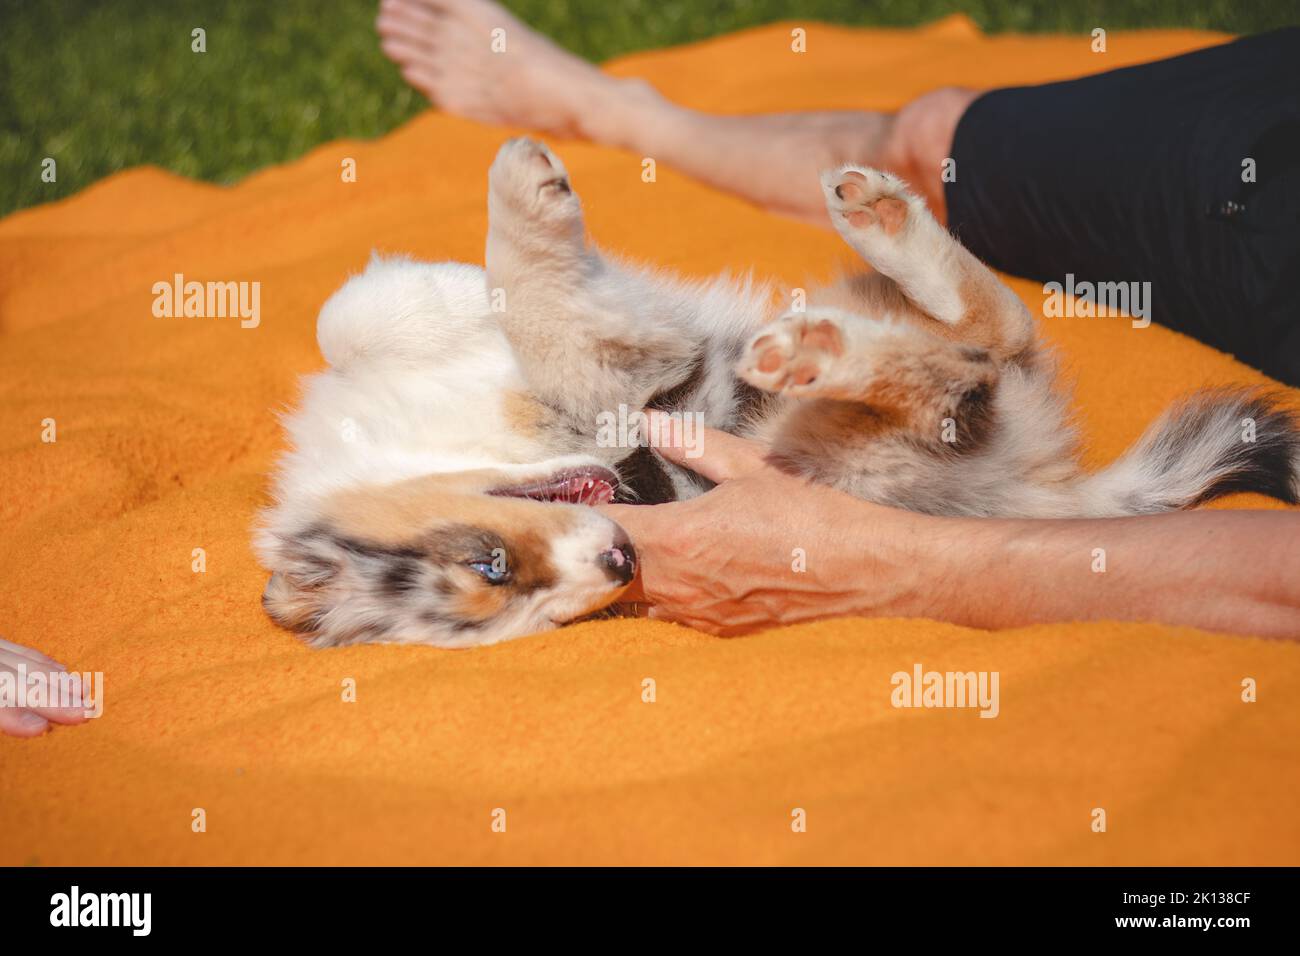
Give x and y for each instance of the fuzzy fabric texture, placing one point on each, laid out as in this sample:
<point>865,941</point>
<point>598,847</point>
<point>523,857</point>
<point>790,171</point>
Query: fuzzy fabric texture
<point>166,430</point>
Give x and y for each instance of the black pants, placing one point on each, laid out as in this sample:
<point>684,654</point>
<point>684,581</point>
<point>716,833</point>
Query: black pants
<point>1137,175</point>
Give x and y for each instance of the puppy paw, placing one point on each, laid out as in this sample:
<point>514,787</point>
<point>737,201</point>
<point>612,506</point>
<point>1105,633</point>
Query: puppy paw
<point>527,176</point>
<point>792,354</point>
<point>859,198</point>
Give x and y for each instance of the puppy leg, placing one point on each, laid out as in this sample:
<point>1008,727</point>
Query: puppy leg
<point>588,335</point>
<point>535,227</point>
<point>895,233</point>
<point>911,379</point>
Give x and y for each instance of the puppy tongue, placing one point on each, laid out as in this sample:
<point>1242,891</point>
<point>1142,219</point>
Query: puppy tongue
<point>586,486</point>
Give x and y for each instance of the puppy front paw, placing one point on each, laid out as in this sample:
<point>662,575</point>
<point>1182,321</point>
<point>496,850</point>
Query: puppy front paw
<point>792,354</point>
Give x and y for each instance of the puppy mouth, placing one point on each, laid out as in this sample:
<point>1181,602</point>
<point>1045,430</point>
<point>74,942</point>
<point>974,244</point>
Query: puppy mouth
<point>588,485</point>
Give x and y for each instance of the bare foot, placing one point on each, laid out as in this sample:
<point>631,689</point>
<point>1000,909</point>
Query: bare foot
<point>474,59</point>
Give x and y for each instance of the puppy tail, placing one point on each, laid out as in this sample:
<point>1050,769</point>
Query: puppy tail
<point>1213,443</point>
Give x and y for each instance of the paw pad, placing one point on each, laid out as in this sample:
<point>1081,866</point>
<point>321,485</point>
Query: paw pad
<point>863,198</point>
<point>793,355</point>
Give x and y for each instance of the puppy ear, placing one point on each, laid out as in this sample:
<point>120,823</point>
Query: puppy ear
<point>291,605</point>
<point>325,588</point>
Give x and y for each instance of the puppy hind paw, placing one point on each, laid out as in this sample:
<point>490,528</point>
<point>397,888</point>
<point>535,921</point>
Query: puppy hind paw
<point>526,171</point>
<point>792,354</point>
<point>860,197</point>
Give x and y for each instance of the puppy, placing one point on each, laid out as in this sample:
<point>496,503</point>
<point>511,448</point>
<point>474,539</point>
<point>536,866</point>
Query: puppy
<point>436,487</point>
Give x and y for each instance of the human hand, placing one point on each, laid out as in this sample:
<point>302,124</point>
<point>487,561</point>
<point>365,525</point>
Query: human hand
<point>20,662</point>
<point>765,548</point>
<point>726,562</point>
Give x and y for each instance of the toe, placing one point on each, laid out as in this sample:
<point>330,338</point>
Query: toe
<point>848,191</point>
<point>770,360</point>
<point>401,50</point>
<point>410,22</point>
<point>824,336</point>
<point>426,15</point>
<point>395,28</point>
<point>424,78</point>
<point>804,374</point>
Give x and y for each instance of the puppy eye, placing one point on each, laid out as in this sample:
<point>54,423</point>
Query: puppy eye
<point>494,572</point>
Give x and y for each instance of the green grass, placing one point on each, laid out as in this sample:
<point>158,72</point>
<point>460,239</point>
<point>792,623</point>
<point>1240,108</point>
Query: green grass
<point>100,85</point>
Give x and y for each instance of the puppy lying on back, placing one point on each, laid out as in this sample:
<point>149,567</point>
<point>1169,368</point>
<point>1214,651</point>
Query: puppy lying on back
<point>440,469</point>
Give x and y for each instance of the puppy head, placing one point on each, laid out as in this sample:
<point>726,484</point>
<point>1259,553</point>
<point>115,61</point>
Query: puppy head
<point>452,560</point>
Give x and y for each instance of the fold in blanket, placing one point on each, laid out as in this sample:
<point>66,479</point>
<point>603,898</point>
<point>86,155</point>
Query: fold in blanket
<point>126,551</point>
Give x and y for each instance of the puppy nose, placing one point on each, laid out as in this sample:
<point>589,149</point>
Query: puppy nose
<point>619,561</point>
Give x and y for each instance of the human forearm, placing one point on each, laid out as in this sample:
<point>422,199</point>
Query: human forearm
<point>764,549</point>
<point>1236,571</point>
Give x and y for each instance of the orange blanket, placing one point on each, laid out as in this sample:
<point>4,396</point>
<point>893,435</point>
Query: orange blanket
<point>165,430</point>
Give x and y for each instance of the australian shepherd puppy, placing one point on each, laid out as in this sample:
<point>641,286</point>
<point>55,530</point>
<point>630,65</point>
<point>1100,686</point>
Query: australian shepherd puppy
<point>440,469</point>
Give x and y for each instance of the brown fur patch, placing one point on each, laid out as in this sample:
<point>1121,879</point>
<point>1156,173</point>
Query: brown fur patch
<point>429,514</point>
<point>819,428</point>
<point>994,319</point>
<point>869,294</point>
<point>616,353</point>
<point>397,513</point>
<point>924,387</point>
<point>475,600</point>
<point>524,414</point>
